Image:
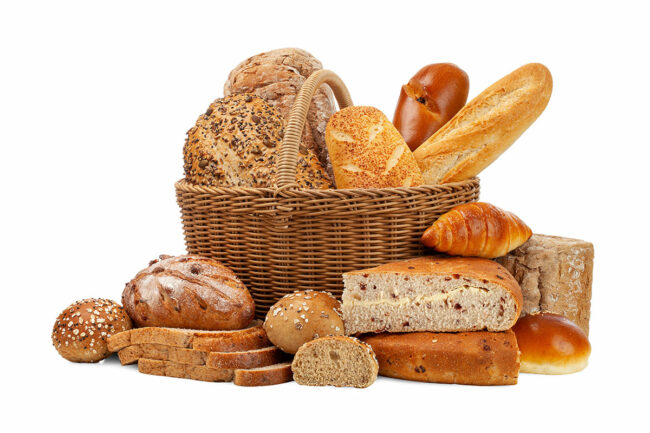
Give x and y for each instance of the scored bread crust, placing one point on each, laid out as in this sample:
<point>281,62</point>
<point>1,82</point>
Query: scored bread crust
<point>469,358</point>
<point>454,277</point>
<point>367,151</point>
<point>277,76</point>
<point>485,127</point>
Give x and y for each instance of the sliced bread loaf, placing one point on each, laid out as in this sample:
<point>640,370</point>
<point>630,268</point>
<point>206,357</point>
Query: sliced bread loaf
<point>248,359</point>
<point>262,376</point>
<point>336,361</point>
<point>438,294</point>
<point>184,371</point>
<point>131,354</point>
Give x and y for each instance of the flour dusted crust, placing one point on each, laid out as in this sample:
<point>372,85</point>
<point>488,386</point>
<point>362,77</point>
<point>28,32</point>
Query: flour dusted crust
<point>81,332</point>
<point>555,275</point>
<point>190,292</point>
<point>236,142</point>
<point>277,76</point>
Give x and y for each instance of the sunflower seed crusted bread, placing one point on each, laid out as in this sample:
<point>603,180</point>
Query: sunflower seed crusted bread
<point>430,293</point>
<point>336,361</point>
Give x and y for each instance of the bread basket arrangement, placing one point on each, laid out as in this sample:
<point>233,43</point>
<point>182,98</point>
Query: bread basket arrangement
<point>330,246</point>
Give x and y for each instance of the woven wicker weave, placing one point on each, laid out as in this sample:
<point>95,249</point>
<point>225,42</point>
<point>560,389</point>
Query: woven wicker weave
<point>286,239</point>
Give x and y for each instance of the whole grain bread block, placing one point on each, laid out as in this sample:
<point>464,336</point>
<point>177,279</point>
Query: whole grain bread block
<point>555,275</point>
<point>263,376</point>
<point>131,354</point>
<point>468,358</point>
<point>188,337</point>
<point>431,293</point>
<point>184,371</point>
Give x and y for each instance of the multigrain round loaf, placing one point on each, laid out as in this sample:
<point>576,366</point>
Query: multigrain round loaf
<point>301,317</point>
<point>81,331</point>
<point>551,344</point>
<point>236,142</point>
<point>190,292</point>
<point>336,361</point>
<point>277,76</point>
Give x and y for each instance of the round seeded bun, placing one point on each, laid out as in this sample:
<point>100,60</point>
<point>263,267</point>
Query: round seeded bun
<point>81,330</point>
<point>301,317</point>
<point>551,344</point>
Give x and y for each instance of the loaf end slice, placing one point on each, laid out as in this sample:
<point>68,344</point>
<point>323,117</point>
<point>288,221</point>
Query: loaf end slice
<point>431,293</point>
<point>336,361</point>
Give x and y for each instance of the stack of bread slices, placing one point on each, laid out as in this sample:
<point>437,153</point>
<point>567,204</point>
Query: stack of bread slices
<point>244,356</point>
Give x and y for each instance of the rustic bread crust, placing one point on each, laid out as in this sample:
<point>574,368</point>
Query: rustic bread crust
<point>263,376</point>
<point>277,76</point>
<point>469,358</point>
<point>485,127</point>
<point>189,292</point>
<point>184,371</point>
<point>367,151</point>
<point>555,274</point>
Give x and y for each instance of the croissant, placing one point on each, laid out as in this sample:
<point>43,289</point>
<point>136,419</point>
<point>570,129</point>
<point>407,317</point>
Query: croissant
<point>477,230</point>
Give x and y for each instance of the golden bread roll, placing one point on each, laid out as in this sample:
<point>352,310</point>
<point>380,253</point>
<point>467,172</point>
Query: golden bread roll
<point>485,127</point>
<point>477,230</point>
<point>368,152</point>
<point>551,344</point>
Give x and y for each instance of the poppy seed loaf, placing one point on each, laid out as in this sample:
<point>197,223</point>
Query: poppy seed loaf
<point>437,294</point>
<point>336,361</point>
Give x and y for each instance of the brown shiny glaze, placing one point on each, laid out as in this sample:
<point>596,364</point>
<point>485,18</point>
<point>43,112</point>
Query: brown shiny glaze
<point>430,98</point>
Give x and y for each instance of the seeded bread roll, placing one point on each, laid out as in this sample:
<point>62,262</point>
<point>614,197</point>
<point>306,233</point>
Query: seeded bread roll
<point>368,152</point>
<point>437,294</point>
<point>302,316</point>
<point>551,344</point>
<point>188,292</point>
<point>236,143</point>
<point>277,76</point>
<point>335,361</point>
<point>82,330</point>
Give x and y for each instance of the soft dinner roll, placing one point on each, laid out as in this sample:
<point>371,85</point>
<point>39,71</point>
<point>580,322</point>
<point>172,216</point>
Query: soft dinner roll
<point>302,316</point>
<point>81,330</point>
<point>551,344</point>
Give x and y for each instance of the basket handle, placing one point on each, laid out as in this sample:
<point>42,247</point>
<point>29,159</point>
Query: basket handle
<point>298,115</point>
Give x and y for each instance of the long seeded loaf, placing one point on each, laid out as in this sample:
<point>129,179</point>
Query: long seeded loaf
<point>245,360</point>
<point>555,275</point>
<point>263,376</point>
<point>184,337</point>
<point>469,358</point>
<point>431,293</point>
<point>184,371</point>
<point>485,127</point>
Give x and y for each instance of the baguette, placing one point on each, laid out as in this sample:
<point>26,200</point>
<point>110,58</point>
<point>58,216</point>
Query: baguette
<point>470,358</point>
<point>486,126</point>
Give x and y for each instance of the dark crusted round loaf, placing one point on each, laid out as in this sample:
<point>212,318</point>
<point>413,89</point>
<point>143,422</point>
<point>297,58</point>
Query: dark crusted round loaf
<point>236,142</point>
<point>188,292</point>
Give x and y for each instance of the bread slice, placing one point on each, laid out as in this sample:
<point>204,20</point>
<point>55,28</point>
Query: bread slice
<point>469,358</point>
<point>430,293</point>
<point>184,371</point>
<point>262,376</point>
<point>248,359</point>
<point>485,127</point>
<point>131,354</point>
<point>178,337</point>
<point>336,361</point>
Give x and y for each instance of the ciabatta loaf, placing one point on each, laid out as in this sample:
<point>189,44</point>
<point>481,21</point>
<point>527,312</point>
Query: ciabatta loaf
<point>468,358</point>
<point>367,151</point>
<point>438,294</point>
<point>486,126</point>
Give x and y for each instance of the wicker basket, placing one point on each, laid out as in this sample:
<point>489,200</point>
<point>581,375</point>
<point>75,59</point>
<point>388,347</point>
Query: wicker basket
<point>286,239</point>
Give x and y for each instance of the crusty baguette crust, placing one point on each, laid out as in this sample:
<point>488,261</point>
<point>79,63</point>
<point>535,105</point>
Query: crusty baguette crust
<point>367,151</point>
<point>469,358</point>
<point>263,376</point>
<point>183,337</point>
<point>245,360</point>
<point>486,126</point>
<point>184,371</point>
<point>477,230</point>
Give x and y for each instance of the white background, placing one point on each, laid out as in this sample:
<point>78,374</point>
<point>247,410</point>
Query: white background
<point>95,101</point>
